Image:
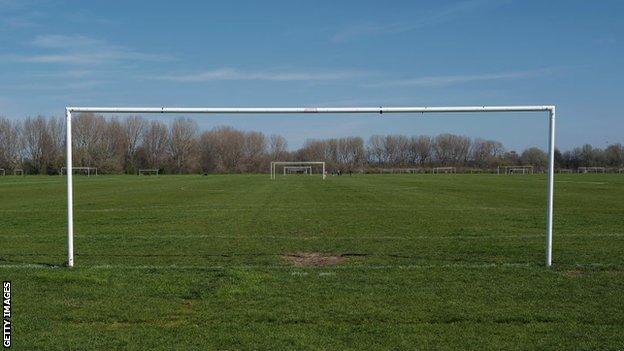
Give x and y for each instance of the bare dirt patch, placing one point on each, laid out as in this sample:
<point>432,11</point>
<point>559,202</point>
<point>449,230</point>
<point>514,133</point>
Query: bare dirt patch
<point>313,259</point>
<point>574,273</point>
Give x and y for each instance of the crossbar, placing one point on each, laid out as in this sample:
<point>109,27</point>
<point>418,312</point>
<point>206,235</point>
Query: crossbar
<point>303,110</point>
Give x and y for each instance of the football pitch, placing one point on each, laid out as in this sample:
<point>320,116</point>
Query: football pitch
<point>418,261</point>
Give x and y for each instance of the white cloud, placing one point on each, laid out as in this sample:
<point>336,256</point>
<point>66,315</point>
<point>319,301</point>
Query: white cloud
<point>233,74</point>
<point>430,81</point>
<point>81,50</point>
<point>442,15</point>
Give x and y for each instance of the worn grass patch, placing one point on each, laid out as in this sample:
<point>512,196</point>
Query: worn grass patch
<point>313,259</point>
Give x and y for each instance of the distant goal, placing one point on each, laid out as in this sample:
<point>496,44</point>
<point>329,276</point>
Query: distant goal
<point>297,167</point>
<point>149,171</point>
<point>592,169</point>
<point>88,171</point>
<point>438,170</point>
<point>515,170</point>
<point>298,170</point>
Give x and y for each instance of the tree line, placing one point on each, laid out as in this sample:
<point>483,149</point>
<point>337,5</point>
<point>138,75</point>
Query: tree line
<point>37,145</point>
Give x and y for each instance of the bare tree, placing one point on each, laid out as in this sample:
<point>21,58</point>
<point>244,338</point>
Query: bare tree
<point>134,129</point>
<point>278,148</point>
<point>182,145</point>
<point>420,150</point>
<point>254,152</point>
<point>10,143</point>
<point>89,140</point>
<point>451,149</point>
<point>154,145</point>
<point>56,150</point>
<point>351,152</point>
<point>535,157</point>
<point>486,153</point>
<point>38,145</point>
<point>614,155</point>
<point>376,150</point>
<point>312,150</point>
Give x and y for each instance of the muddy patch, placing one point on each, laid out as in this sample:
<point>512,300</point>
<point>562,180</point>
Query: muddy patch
<point>313,259</point>
<point>574,273</point>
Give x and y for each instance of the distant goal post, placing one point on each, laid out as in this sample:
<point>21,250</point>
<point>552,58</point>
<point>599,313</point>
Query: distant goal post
<point>592,170</point>
<point>438,170</point>
<point>515,169</point>
<point>293,164</point>
<point>414,110</point>
<point>149,171</point>
<point>298,170</point>
<point>87,170</point>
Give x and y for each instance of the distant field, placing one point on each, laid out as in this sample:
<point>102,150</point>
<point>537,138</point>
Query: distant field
<point>451,261</point>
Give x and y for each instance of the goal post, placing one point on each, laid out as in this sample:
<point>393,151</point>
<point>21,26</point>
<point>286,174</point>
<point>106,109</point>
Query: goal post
<point>418,111</point>
<point>87,170</point>
<point>144,171</point>
<point>592,170</point>
<point>297,169</point>
<point>437,170</point>
<point>515,169</point>
<point>296,164</point>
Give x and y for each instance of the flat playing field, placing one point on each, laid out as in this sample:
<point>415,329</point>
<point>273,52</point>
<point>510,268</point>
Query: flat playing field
<point>383,262</point>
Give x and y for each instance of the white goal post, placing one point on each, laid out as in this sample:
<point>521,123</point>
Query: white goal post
<point>550,109</point>
<point>437,170</point>
<point>285,164</point>
<point>296,169</point>
<point>149,171</point>
<point>86,169</point>
<point>592,170</point>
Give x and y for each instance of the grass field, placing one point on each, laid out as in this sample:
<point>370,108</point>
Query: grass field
<point>430,262</point>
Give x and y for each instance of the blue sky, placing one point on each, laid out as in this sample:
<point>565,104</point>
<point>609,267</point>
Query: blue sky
<point>326,53</point>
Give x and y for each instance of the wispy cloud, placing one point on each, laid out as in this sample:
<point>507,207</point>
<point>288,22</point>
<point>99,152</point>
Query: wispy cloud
<point>430,18</point>
<point>17,15</point>
<point>431,81</point>
<point>81,50</point>
<point>283,76</point>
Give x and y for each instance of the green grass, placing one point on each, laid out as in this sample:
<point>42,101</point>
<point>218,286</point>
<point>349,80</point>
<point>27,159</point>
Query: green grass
<point>434,262</point>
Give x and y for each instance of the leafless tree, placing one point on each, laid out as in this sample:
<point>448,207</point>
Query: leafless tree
<point>614,154</point>
<point>535,157</point>
<point>451,149</point>
<point>154,146</point>
<point>10,143</point>
<point>134,129</point>
<point>182,145</point>
<point>89,143</point>
<point>278,148</point>
<point>254,152</point>
<point>376,150</point>
<point>486,153</point>
<point>420,150</point>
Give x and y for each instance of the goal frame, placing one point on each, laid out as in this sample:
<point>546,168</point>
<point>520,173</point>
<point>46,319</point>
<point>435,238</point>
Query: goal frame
<point>88,169</point>
<point>155,171</point>
<point>438,170</point>
<point>418,111</point>
<point>307,169</point>
<point>511,169</point>
<point>592,169</point>
<point>274,165</point>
